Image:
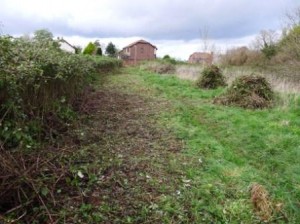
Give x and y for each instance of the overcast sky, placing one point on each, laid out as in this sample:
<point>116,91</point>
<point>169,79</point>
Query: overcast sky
<point>174,26</point>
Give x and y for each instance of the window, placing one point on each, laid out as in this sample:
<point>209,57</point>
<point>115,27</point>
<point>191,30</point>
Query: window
<point>142,50</point>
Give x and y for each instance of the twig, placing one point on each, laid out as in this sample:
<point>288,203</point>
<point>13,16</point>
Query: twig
<point>15,220</point>
<point>42,201</point>
<point>17,207</point>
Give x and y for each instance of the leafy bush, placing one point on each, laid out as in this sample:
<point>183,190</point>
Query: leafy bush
<point>37,80</point>
<point>104,64</point>
<point>211,78</point>
<point>249,91</point>
<point>269,51</point>
<point>90,49</point>
<point>289,44</point>
<point>170,60</point>
<point>39,89</point>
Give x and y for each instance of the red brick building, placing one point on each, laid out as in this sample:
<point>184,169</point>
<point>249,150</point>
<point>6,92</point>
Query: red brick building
<point>138,51</point>
<point>201,58</point>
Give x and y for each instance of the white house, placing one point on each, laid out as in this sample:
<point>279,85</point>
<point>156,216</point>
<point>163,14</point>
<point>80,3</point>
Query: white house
<point>66,46</point>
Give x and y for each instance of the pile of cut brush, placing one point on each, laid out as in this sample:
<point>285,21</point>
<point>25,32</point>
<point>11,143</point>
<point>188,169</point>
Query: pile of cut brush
<point>249,91</point>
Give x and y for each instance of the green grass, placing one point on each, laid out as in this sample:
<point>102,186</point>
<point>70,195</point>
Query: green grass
<point>226,150</point>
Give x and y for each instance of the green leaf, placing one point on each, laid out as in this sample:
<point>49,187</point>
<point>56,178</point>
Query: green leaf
<point>45,191</point>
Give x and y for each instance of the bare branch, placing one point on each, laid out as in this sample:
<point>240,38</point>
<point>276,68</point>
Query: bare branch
<point>207,46</point>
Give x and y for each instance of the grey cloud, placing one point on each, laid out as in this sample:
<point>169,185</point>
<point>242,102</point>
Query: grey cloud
<point>161,19</point>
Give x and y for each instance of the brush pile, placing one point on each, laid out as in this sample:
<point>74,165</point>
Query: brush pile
<point>251,91</point>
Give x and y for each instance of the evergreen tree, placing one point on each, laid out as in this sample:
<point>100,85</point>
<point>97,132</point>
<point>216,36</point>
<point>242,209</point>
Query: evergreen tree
<point>111,50</point>
<point>98,48</point>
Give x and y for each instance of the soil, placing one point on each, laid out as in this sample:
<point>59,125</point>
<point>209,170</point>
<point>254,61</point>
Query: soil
<point>124,128</point>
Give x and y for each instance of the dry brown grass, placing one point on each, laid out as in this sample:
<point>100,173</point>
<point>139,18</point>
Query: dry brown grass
<point>261,202</point>
<point>190,72</point>
<point>283,81</point>
<point>159,67</point>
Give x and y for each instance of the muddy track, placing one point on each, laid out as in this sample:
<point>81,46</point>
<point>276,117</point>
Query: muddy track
<point>123,128</point>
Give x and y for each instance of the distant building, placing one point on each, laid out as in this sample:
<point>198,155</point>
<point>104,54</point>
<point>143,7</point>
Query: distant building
<point>138,51</point>
<point>66,46</point>
<point>201,58</point>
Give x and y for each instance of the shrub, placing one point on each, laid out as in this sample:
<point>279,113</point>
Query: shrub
<point>211,78</point>
<point>39,89</point>
<point>170,60</point>
<point>38,80</point>
<point>249,91</point>
<point>269,51</point>
<point>90,49</point>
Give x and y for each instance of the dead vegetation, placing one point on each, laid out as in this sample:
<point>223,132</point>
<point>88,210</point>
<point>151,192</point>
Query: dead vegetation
<point>35,185</point>
<point>30,184</point>
<point>252,92</point>
<point>265,208</point>
<point>261,202</point>
<point>132,182</point>
<point>160,67</point>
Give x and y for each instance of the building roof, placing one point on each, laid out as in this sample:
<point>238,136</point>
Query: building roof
<point>140,41</point>
<point>62,40</point>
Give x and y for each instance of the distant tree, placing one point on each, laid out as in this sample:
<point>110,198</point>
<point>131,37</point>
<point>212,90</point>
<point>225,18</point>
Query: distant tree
<point>207,45</point>
<point>78,49</point>
<point>290,43</point>
<point>99,51</point>
<point>167,57</point>
<point>89,49</point>
<point>292,18</point>
<point>45,38</point>
<point>97,43</point>
<point>266,42</point>
<point>111,50</point>
<point>98,48</point>
<point>43,35</point>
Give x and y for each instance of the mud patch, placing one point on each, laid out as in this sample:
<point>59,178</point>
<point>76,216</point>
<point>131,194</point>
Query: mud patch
<point>124,128</point>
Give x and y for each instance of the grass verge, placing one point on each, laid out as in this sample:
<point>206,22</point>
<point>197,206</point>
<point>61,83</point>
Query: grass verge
<point>228,150</point>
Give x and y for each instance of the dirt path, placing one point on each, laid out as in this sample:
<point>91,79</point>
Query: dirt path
<point>134,155</point>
